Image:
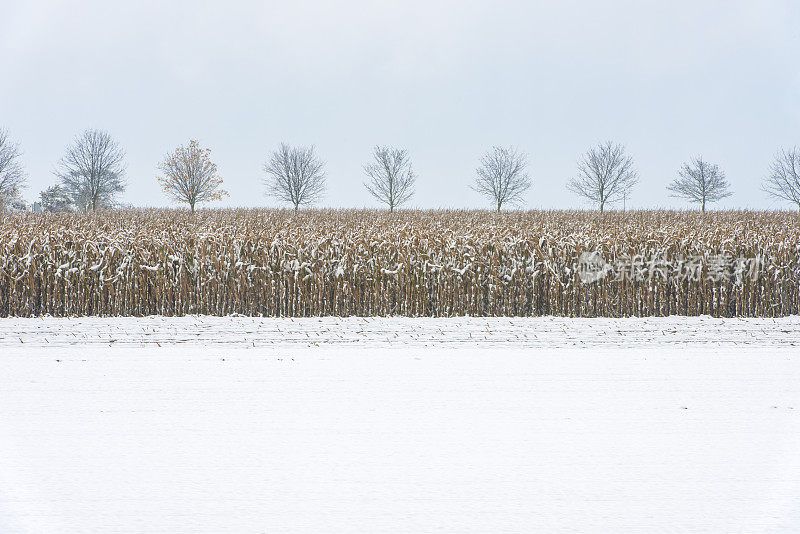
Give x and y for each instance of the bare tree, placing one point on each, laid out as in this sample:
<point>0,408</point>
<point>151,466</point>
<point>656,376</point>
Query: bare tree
<point>502,177</point>
<point>295,175</point>
<point>605,175</point>
<point>701,182</point>
<point>54,198</point>
<point>783,181</point>
<point>12,176</point>
<point>92,171</point>
<point>190,176</point>
<point>391,178</point>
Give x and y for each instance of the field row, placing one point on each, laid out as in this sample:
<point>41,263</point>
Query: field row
<point>233,332</point>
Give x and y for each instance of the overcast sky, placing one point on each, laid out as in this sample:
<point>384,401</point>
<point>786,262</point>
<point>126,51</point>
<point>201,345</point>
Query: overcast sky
<point>444,79</point>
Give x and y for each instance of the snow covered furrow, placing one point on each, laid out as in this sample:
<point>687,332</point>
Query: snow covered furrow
<point>461,331</point>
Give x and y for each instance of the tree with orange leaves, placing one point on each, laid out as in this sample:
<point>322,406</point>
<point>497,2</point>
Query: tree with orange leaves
<point>190,176</point>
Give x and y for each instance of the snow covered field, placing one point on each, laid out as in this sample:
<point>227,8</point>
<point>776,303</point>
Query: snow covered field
<point>234,424</point>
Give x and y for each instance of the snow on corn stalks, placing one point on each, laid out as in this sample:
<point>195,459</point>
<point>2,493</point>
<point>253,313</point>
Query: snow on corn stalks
<point>413,263</point>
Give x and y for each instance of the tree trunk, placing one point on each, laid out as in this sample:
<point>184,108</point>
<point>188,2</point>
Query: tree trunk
<point>602,205</point>
<point>704,205</point>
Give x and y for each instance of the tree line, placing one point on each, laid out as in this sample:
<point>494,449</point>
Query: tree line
<point>91,176</point>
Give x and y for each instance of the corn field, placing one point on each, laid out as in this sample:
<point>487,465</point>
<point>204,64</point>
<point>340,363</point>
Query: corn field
<point>411,263</point>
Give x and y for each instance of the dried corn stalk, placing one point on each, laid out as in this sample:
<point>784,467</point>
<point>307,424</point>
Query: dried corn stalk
<point>412,263</point>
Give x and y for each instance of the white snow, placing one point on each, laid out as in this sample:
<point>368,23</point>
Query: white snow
<point>234,424</point>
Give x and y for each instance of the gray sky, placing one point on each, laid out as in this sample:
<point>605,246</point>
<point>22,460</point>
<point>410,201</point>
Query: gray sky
<point>444,79</point>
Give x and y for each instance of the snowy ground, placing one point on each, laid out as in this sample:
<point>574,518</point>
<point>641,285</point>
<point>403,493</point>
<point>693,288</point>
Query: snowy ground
<point>215,425</point>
